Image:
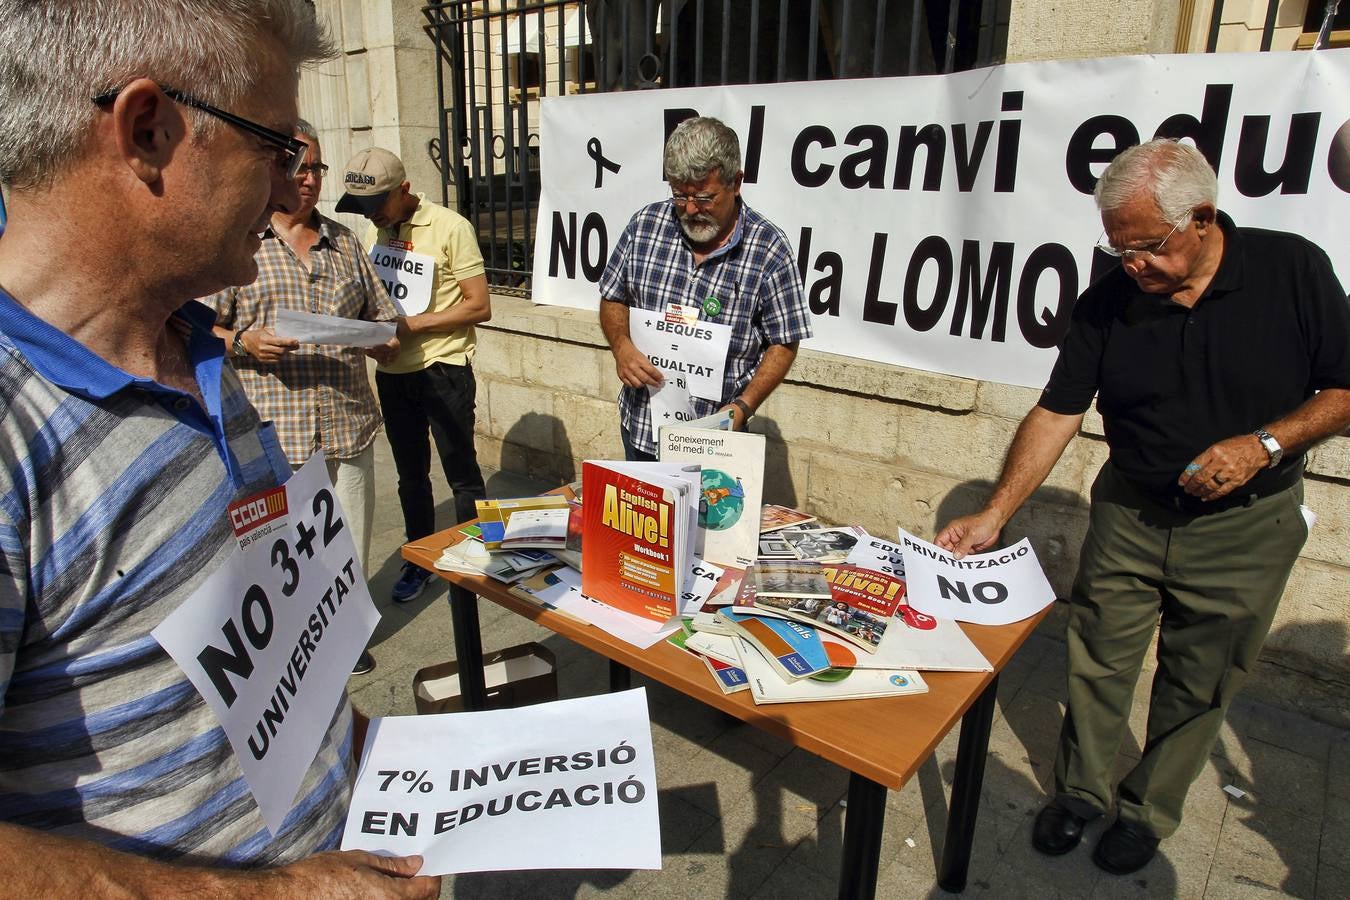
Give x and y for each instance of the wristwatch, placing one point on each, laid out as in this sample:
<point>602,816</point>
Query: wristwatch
<point>1272,446</point>
<point>744,408</point>
<point>239,351</point>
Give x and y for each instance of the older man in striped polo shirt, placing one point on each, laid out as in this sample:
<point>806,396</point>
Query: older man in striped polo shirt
<point>140,176</point>
<point>706,252</point>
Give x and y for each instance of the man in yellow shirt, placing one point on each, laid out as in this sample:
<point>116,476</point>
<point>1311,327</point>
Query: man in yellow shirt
<point>429,261</point>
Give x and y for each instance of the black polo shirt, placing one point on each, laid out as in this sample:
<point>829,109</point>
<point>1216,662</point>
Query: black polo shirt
<point>1272,328</point>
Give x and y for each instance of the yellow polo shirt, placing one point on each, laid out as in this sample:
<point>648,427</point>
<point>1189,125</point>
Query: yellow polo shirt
<point>449,239</point>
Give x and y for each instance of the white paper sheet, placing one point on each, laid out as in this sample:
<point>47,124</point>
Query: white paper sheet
<point>700,586</point>
<point>670,403</point>
<point>878,555</point>
<point>287,616</point>
<point>985,588</point>
<point>694,355</point>
<point>636,630</point>
<point>313,328</point>
<point>555,792</point>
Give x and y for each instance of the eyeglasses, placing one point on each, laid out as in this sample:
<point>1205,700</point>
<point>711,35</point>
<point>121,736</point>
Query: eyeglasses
<point>702,201</point>
<point>318,170</point>
<point>1145,254</point>
<point>290,150</point>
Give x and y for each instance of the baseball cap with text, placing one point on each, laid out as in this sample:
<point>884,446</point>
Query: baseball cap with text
<point>369,177</point>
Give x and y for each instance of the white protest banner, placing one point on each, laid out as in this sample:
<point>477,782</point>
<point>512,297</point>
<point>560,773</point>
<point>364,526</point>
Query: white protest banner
<point>563,785</point>
<point>269,639</point>
<point>407,276</point>
<point>946,222</point>
<point>985,588</point>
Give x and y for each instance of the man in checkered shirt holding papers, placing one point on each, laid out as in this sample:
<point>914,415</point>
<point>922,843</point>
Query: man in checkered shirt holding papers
<point>704,253</point>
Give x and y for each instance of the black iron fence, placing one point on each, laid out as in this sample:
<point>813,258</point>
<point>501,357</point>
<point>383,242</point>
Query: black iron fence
<point>497,58</point>
<point>1322,19</point>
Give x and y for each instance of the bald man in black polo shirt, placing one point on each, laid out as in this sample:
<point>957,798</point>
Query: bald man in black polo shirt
<point>1218,355</point>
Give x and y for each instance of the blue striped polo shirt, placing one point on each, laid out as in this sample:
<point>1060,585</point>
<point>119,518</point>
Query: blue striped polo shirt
<point>753,277</point>
<point>113,496</point>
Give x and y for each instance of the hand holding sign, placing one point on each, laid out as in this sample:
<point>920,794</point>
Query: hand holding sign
<point>563,785</point>
<point>353,874</point>
<point>985,588</point>
<point>694,353</point>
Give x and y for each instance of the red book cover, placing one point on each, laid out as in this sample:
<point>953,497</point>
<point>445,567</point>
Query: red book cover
<point>629,556</point>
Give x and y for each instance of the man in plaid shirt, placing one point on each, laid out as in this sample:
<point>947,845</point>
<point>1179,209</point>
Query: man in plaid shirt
<point>705,250</point>
<point>319,397</point>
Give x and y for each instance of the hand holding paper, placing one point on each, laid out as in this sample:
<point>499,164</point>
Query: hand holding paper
<point>313,328</point>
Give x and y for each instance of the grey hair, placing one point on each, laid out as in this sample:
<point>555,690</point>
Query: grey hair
<point>1177,175</point>
<point>59,54</point>
<point>697,147</point>
<point>302,127</point>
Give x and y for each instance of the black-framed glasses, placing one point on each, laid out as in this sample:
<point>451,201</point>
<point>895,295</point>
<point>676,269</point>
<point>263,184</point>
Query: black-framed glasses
<point>1145,254</point>
<point>290,150</point>
<point>318,170</point>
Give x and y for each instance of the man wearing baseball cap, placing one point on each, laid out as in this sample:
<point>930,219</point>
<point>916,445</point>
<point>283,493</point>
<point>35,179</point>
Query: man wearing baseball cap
<point>429,260</point>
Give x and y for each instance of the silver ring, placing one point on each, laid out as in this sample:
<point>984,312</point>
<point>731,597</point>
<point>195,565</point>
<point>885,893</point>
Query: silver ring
<point>1220,481</point>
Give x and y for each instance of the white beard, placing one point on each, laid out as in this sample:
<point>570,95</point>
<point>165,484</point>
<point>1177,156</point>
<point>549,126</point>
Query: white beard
<point>699,232</point>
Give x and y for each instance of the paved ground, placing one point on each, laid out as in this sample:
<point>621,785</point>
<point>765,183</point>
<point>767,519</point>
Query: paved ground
<point>745,815</point>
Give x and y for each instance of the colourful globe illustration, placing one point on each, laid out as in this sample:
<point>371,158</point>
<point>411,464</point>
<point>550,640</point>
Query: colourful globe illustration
<point>722,502</point>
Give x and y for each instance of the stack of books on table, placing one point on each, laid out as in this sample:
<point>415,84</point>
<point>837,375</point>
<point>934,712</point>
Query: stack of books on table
<point>802,630</point>
<point>633,576</point>
<point>514,538</point>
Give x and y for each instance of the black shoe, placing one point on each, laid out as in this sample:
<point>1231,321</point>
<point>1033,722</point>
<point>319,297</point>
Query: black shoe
<point>1057,831</point>
<point>1124,849</point>
<point>365,664</point>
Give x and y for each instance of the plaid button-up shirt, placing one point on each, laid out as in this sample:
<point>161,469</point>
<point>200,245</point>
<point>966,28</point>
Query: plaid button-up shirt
<point>753,278</point>
<point>318,395</point>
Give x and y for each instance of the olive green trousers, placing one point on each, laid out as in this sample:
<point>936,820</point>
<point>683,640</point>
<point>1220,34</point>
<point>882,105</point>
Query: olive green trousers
<point>1211,584</point>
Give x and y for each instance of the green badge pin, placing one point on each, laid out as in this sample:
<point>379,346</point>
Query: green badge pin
<point>712,306</point>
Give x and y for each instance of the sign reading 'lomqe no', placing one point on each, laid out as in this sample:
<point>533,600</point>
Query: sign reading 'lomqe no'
<point>269,639</point>
<point>946,222</point>
<point>563,785</point>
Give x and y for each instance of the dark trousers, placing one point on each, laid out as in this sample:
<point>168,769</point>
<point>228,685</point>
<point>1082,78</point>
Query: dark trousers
<point>632,453</point>
<point>441,398</point>
<point>1210,585</point>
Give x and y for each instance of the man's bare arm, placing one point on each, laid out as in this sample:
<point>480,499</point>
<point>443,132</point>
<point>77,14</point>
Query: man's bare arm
<point>634,369</point>
<point>1236,460</point>
<point>38,864</point>
<point>474,307</point>
<point>1037,446</point>
<point>773,368</point>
